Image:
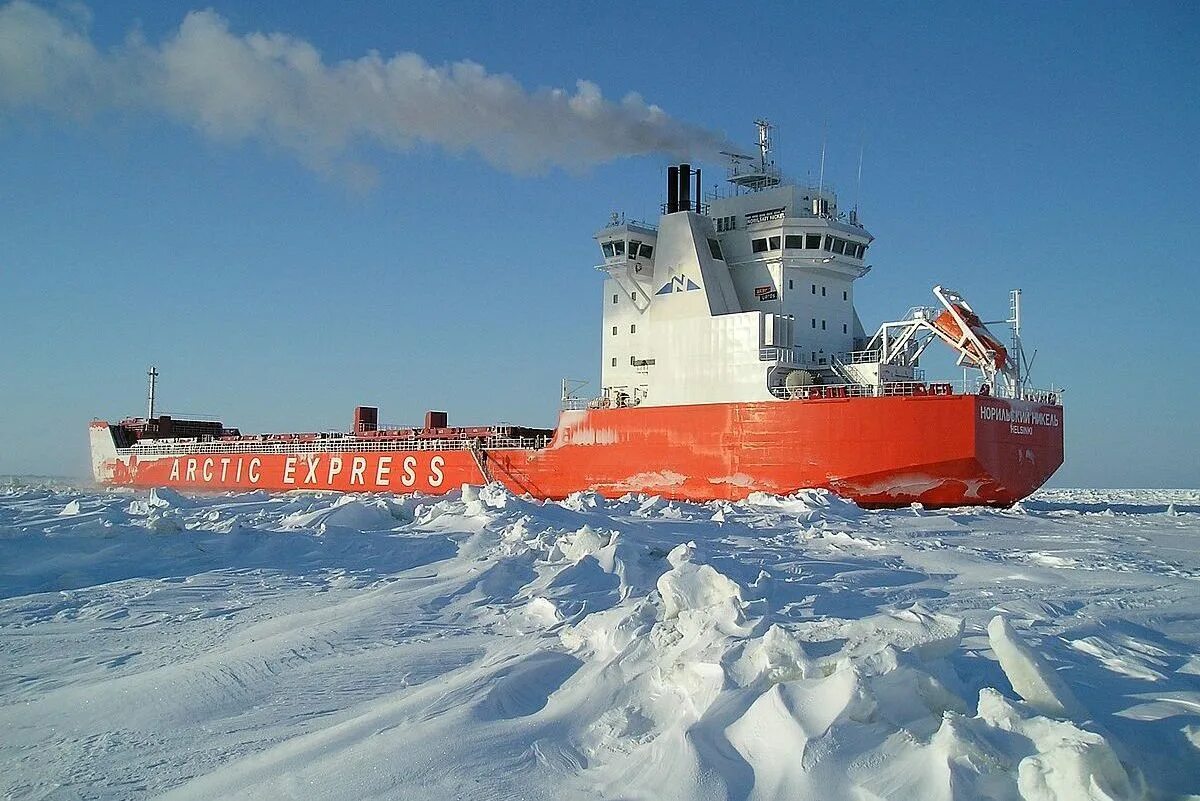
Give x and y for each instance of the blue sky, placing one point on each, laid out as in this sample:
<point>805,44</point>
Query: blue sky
<point>1051,147</point>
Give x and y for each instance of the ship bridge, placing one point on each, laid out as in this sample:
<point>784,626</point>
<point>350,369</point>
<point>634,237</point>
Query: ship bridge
<point>729,292</point>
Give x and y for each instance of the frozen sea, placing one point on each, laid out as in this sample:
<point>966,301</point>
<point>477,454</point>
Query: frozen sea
<point>487,646</point>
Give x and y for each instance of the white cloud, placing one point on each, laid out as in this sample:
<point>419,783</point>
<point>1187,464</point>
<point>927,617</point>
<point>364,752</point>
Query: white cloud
<point>277,89</point>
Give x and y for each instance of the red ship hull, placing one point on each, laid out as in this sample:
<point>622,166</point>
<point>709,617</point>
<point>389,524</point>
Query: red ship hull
<point>937,450</point>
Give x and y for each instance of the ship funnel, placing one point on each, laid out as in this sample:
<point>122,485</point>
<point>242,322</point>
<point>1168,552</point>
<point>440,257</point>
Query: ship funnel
<point>672,189</point>
<point>685,187</point>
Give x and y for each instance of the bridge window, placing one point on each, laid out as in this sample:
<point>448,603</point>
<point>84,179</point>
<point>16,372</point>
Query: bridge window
<point>759,245</point>
<point>839,245</point>
<point>774,243</point>
<point>619,247</point>
<point>607,247</point>
<point>812,241</point>
<point>633,248</point>
<point>647,251</point>
<point>793,242</point>
<point>714,247</point>
<point>829,243</point>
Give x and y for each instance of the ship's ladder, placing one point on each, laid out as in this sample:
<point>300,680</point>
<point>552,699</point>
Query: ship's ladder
<point>480,457</point>
<point>841,370</point>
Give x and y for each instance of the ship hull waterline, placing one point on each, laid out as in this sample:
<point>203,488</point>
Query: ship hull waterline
<point>949,450</point>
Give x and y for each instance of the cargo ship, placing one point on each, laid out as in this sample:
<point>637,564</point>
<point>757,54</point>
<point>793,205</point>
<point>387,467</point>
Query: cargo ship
<point>733,362</point>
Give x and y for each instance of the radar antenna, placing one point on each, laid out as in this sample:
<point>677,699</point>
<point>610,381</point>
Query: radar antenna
<point>764,144</point>
<point>744,173</point>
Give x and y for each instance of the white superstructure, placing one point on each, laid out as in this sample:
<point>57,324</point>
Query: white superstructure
<point>727,299</point>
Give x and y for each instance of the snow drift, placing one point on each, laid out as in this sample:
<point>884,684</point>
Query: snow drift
<point>482,645</point>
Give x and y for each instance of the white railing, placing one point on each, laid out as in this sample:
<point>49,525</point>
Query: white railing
<point>861,357</point>
<point>981,386</point>
<point>1052,397</point>
<point>773,353</point>
<point>972,386</point>
<point>887,389</point>
<point>334,445</point>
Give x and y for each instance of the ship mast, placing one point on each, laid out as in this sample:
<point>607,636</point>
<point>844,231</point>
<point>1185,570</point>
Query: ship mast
<point>1014,322</point>
<point>152,379</point>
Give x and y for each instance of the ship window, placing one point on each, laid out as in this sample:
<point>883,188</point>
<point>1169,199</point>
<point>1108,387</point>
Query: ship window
<point>647,251</point>
<point>814,289</point>
<point>814,322</point>
<point>615,298</point>
<point>633,248</point>
<point>614,361</point>
<point>608,248</point>
<point>633,296</point>
<point>789,283</point>
<point>822,291</point>
<point>844,329</point>
<point>714,247</point>
<point>839,245</point>
<point>774,243</point>
<point>845,295</point>
<point>829,243</point>
<point>614,330</point>
<point>822,325</point>
<point>619,247</point>
<point>633,329</point>
<point>812,241</point>
<point>793,242</point>
<point>759,245</point>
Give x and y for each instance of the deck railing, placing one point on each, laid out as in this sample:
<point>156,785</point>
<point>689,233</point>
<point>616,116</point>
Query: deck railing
<point>1051,397</point>
<point>176,447</point>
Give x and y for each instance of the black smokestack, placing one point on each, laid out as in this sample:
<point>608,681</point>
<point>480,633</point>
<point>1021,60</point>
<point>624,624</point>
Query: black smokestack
<point>685,187</point>
<point>672,189</point>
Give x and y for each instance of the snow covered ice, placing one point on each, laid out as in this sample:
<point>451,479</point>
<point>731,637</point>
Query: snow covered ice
<point>486,646</point>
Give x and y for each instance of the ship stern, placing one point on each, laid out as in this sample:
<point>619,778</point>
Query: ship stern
<point>1018,445</point>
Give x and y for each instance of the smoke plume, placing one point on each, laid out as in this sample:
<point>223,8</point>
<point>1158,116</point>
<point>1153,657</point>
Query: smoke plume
<point>277,89</point>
